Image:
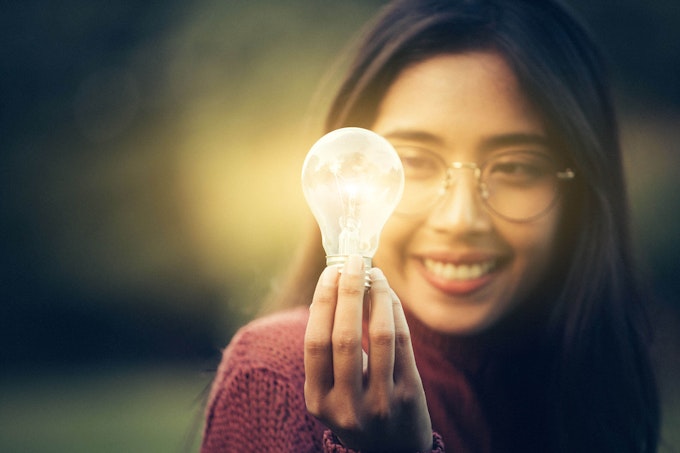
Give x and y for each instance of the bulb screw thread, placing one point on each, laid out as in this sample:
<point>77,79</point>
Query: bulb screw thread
<point>339,260</point>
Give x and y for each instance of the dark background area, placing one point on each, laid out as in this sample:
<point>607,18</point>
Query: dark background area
<point>149,194</point>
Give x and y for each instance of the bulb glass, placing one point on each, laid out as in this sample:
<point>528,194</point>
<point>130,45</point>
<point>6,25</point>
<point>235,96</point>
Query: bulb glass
<point>352,179</point>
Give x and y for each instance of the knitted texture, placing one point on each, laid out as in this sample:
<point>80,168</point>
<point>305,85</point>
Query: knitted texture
<point>257,399</point>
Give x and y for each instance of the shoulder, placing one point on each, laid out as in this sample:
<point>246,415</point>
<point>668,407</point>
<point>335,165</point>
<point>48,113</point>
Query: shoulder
<point>257,397</point>
<point>275,342</point>
<point>287,323</point>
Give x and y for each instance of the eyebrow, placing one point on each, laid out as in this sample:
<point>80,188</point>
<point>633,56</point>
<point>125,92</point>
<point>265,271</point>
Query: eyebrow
<point>414,135</point>
<point>506,140</point>
<point>488,144</point>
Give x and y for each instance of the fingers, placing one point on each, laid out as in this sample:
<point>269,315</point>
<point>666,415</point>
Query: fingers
<point>346,336</point>
<point>333,354</point>
<point>391,358</point>
<point>405,365</point>
<point>318,349</point>
<point>381,333</point>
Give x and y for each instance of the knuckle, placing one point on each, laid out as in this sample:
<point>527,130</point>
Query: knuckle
<point>380,287</point>
<point>381,413</point>
<point>402,338</point>
<point>317,346</point>
<point>323,296</point>
<point>345,341</point>
<point>348,421</point>
<point>350,290</point>
<point>382,336</point>
<point>404,397</point>
<point>408,394</point>
<point>396,303</point>
<point>314,406</point>
<point>314,410</point>
<point>379,406</point>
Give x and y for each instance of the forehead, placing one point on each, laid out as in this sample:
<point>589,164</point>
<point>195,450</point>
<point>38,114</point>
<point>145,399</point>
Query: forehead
<point>458,97</point>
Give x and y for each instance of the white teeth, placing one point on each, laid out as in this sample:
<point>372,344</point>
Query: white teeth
<point>451,271</point>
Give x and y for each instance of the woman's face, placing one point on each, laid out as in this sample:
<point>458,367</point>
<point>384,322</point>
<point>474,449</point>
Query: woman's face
<point>458,267</point>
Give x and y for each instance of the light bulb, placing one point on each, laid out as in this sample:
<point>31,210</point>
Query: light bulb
<point>352,179</point>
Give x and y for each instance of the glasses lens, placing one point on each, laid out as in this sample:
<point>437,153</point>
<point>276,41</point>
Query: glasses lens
<point>520,185</point>
<point>424,179</point>
<point>516,185</point>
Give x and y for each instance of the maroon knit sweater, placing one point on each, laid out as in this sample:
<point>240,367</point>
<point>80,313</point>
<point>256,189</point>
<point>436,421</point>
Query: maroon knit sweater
<point>257,402</point>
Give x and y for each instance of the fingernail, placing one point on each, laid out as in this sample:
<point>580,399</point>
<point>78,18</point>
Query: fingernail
<point>330,275</point>
<point>354,264</point>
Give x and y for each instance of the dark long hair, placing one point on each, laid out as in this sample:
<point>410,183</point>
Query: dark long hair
<point>604,395</point>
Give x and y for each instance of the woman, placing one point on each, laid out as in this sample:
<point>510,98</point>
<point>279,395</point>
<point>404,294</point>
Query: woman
<point>504,314</point>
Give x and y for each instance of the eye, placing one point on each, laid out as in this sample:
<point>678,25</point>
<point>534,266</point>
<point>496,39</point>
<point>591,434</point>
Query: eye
<point>520,168</point>
<point>419,163</point>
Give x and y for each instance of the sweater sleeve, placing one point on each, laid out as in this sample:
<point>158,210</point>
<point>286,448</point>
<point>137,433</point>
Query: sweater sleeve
<point>257,398</point>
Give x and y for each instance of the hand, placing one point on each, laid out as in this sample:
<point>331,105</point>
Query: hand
<point>371,403</point>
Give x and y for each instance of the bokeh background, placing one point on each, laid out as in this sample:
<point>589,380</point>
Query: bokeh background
<point>149,196</point>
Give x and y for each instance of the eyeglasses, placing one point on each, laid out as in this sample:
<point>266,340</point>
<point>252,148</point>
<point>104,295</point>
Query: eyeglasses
<point>519,186</point>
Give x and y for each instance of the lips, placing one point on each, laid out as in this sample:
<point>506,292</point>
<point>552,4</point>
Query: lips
<point>460,277</point>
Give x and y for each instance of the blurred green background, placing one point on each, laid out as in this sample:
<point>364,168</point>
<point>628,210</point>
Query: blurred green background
<point>149,182</point>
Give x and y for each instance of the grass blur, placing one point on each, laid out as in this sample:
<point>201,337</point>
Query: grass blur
<point>122,409</point>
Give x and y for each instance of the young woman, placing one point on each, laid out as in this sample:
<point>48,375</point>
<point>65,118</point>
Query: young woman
<point>503,314</point>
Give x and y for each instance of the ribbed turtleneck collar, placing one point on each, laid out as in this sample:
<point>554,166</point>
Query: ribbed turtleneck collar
<point>484,389</point>
<point>470,353</point>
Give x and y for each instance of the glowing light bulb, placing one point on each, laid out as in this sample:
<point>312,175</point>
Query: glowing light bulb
<point>352,179</point>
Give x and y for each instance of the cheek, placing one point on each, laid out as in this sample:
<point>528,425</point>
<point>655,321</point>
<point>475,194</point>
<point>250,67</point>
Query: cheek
<point>394,239</point>
<point>534,245</point>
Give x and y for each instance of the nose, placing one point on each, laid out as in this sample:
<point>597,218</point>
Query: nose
<point>460,208</point>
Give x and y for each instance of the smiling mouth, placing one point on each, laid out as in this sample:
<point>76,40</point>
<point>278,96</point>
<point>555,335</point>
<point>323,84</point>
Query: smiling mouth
<point>459,272</point>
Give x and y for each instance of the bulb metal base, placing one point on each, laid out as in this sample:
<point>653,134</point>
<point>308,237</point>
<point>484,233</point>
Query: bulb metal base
<point>339,260</point>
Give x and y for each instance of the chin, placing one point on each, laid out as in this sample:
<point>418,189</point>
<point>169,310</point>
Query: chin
<point>465,322</point>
